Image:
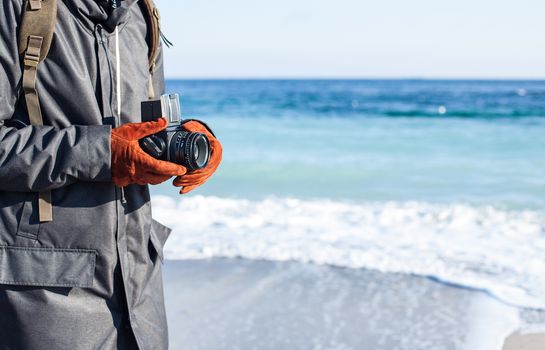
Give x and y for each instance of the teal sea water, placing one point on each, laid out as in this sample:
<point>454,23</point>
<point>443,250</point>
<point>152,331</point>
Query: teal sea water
<point>439,141</point>
<point>438,178</point>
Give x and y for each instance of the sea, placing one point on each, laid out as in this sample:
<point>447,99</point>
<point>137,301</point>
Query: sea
<point>437,178</point>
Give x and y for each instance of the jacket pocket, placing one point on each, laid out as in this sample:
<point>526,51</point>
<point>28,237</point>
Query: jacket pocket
<point>47,267</point>
<point>158,236</point>
<point>29,223</point>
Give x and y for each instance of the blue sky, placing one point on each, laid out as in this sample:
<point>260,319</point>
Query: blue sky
<point>354,38</point>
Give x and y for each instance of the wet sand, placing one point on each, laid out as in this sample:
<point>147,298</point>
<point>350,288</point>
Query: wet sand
<point>245,304</point>
<point>531,341</point>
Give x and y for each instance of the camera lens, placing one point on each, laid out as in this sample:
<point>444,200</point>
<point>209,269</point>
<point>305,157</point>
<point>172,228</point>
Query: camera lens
<point>201,152</point>
<point>190,149</point>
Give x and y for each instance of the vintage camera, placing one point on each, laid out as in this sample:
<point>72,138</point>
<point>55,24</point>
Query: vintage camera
<point>174,144</point>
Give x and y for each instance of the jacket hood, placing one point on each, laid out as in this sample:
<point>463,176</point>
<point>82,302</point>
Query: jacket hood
<point>90,13</point>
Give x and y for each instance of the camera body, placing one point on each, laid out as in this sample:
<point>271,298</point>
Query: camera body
<point>174,144</point>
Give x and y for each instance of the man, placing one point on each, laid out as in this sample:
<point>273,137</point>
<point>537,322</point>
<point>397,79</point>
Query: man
<point>87,273</point>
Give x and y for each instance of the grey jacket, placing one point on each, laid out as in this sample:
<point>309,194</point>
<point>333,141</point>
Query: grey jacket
<point>91,278</point>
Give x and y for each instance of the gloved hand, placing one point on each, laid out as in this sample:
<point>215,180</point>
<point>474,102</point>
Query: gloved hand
<point>194,179</point>
<point>130,164</point>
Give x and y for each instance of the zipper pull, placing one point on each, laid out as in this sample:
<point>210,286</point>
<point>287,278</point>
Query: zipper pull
<point>98,29</point>
<point>123,199</point>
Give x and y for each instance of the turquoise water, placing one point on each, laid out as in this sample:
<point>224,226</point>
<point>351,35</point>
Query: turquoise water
<point>437,178</point>
<point>375,140</point>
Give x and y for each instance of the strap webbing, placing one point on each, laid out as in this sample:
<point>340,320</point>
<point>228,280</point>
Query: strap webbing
<point>151,90</point>
<point>153,19</point>
<point>31,61</point>
<point>44,206</point>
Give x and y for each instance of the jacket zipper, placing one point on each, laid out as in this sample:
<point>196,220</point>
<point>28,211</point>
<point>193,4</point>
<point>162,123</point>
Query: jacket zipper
<point>117,117</point>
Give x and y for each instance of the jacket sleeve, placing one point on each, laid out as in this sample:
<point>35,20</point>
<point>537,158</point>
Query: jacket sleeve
<point>37,158</point>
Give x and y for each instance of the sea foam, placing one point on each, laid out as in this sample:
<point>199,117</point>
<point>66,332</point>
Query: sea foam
<point>499,251</point>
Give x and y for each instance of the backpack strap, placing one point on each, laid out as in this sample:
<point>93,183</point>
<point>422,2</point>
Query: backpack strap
<point>35,36</point>
<point>153,18</point>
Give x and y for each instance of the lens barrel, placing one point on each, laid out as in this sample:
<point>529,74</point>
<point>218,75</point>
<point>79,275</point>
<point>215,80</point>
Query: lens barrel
<point>190,149</point>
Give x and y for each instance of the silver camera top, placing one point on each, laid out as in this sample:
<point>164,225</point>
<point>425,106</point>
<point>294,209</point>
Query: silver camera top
<point>170,106</point>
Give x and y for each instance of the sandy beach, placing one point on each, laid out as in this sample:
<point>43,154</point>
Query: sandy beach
<point>245,304</point>
<point>531,341</point>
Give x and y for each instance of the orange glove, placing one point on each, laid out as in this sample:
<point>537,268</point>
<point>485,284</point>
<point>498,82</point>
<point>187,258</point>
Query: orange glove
<point>130,164</point>
<point>194,179</point>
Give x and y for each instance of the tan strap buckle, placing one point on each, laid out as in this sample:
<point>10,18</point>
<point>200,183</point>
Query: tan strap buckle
<point>35,4</point>
<point>33,50</point>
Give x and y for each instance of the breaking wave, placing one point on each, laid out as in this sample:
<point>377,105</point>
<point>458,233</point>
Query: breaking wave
<point>488,248</point>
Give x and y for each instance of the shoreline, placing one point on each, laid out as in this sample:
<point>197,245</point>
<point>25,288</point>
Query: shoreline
<point>269,305</point>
